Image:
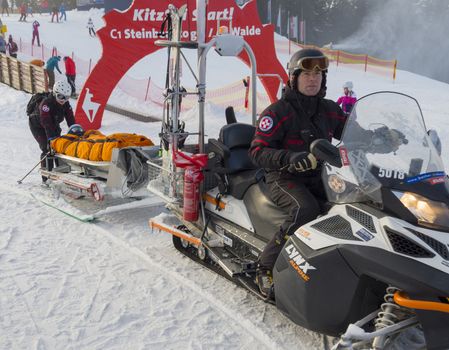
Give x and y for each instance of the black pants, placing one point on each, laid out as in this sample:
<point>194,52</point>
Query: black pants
<point>51,79</point>
<point>299,198</point>
<point>92,32</point>
<point>71,81</point>
<point>40,136</point>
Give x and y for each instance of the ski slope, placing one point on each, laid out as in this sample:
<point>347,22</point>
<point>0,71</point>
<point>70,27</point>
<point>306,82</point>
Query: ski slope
<point>114,284</point>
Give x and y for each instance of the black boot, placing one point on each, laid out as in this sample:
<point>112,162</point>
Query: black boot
<point>264,281</point>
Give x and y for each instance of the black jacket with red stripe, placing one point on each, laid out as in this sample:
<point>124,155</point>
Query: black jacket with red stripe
<point>290,125</point>
<point>50,114</point>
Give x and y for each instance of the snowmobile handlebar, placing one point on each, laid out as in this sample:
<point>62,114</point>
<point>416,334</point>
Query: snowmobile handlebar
<point>323,150</point>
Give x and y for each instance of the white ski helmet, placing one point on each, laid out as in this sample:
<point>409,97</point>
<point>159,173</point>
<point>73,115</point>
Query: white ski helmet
<point>62,88</point>
<point>348,85</point>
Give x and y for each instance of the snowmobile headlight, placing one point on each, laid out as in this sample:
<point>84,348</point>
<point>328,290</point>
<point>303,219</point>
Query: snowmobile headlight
<point>428,212</point>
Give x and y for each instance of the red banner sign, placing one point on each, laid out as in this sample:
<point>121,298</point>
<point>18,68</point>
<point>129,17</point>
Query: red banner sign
<point>129,36</point>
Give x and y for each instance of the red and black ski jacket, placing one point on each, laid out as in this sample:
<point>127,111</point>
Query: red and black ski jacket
<point>290,125</point>
<point>50,114</point>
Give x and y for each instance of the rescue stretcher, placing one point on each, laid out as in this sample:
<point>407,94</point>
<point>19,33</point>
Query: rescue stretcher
<point>124,176</point>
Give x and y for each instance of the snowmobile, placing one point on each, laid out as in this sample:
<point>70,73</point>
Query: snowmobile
<point>372,270</point>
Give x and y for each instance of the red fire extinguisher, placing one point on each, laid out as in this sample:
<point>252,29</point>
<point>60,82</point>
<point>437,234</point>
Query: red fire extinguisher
<point>193,176</point>
<point>192,179</point>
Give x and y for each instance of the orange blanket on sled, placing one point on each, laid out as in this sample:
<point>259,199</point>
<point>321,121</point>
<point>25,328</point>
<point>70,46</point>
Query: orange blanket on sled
<point>95,146</point>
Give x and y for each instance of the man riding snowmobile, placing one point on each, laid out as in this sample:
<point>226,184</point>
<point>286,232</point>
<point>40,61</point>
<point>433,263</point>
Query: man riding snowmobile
<point>281,145</point>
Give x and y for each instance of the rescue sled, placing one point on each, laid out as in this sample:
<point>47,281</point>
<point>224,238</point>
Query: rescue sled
<point>93,187</point>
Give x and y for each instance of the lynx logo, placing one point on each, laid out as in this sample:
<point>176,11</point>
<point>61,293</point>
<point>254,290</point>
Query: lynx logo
<point>299,263</point>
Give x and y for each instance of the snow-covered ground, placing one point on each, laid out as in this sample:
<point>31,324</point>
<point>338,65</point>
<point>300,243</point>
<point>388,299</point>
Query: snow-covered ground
<point>114,284</point>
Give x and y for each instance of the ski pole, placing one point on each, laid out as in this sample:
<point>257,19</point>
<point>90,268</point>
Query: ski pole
<point>28,173</point>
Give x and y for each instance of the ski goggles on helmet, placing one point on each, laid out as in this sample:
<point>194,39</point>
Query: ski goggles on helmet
<point>62,97</point>
<point>319,63</point>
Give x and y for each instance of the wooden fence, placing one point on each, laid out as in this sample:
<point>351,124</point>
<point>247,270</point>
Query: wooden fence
<point>22,76</point>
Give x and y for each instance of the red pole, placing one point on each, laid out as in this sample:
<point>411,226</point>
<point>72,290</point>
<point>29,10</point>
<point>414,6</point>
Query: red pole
<point>248,82</point>
<point>394,70</point>
<point>366,62</point>
<point>148,88</point>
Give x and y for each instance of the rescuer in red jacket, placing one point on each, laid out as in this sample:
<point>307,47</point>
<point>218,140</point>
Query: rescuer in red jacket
<point>70,73</point>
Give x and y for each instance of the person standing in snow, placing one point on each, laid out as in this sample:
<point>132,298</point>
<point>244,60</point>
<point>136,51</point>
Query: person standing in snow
<point>30,10</point>
<point>47,115</point>
<point>23,12</point>
<point>5,7</point>
<point>62,12</point>
<point>50,67</point>
<point>36,26</point>
<point>12,47</point>
<point>348,100</point>
<point>2,45</point>
<point>54,13</point>
<point>90,26</point>
<point>70,73</point>
<point>281,146</point>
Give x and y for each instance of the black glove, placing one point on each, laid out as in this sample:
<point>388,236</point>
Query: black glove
<point>387,140</point>
<point>301,162</point>
<point>51,151</point>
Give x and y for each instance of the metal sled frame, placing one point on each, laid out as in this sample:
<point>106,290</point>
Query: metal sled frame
<point>94,169</point>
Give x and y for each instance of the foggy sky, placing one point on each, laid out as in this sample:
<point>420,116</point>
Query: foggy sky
<point>416,33</point>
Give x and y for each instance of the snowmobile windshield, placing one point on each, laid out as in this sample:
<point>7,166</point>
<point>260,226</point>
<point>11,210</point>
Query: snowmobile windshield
<point>384,144</point>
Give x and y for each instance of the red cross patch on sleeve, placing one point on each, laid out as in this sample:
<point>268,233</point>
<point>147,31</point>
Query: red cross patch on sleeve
<point>265,123</point>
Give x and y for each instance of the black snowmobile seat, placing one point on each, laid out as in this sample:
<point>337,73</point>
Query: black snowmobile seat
<point>237,137</point>
<point>232,164</point>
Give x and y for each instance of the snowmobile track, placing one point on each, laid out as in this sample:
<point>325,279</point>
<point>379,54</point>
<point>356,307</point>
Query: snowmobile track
<point>240,281</point>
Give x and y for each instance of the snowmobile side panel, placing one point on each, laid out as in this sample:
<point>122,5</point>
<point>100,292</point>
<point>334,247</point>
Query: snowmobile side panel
<point>229,208</point>
<point>416,279</point>
<point>319,291</point>
<point>266,216</point>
